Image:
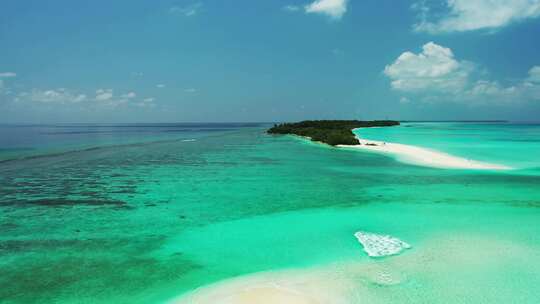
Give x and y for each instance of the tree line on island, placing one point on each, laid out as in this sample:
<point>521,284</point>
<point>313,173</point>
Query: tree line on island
<point>331,132</point>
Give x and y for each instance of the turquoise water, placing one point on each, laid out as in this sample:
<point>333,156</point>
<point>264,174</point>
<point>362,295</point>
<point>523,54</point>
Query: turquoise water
<point>147,217</point>
<point>511,144</point>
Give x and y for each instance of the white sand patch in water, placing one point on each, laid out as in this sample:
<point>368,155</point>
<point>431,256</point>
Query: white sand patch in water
<point>423,156</point>
<point>338,283</point>
<point>444,269</point>
<point>283,287</point>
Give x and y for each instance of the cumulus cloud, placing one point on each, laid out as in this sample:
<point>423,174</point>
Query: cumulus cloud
<point>469,15</point>
<point>160,86</point>
<point>102,98</point>
<point>7,74</point>
<point>61,96</point>
<point>435,74</point>
<point>534,74</point>
<point>104,94</point>
<point>187,11</point>
<point>404,100</point>
<point>334,9</point>
<point>434,68</point>
<point>190,90</point>
<point>129,95</point>
<point>484,88</point>
<point>485,91</point>
<point>146,103</point>
<point>3,89</point>
<point>107,97</point>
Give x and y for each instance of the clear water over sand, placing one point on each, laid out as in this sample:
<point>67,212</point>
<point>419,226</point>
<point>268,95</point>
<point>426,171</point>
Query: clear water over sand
<point>510,144</point>
<point>154,217</point>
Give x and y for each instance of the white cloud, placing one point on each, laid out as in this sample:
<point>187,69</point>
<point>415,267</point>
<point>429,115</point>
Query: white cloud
<point>146,103</point>
<point>80,98</point>
<point>129,95</point>
<point>433,68</point>
<point>61,96</point>
<point>484,91</point>
<point>104,94</point>
<point>483,88</point>
<point>436,75</point>
<point>7,75</point>
<point>4,90</point>
<point>469,15</point>
<point>531,90</point>
<point>190,90</point>
<point>113,103</point>
<point>291,8</point>
<point>534,74</point>
<point>160,86</point>
<point>335,9</point>
<point>106,97</point>
<point>404,100</point>
<point>102,98</point>
<point>188,11</point>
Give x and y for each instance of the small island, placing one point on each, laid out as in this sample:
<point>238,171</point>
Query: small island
<point>331,132</point>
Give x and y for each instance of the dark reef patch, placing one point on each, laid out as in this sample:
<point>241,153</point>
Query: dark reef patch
<point>52,202</point>
<point>76,277</point>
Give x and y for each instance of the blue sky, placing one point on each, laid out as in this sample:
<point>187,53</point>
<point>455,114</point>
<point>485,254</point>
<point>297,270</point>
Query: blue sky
<point>245,60</point>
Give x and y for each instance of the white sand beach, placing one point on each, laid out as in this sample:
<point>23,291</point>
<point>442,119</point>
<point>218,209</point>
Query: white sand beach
<point>423,156</point>
<point>336,283</point>
<point>374,281</point>
<point>284,287</point>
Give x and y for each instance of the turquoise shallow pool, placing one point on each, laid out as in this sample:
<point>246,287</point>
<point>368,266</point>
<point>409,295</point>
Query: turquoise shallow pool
<point>143,218</point>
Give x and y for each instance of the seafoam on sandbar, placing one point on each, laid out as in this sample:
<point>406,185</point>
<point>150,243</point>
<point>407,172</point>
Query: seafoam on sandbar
<point>377,245</point>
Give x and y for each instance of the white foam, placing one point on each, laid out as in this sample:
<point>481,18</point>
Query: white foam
<point>377,245</point>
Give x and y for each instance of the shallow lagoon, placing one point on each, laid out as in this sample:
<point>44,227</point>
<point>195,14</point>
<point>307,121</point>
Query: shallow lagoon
<point>145,223</point>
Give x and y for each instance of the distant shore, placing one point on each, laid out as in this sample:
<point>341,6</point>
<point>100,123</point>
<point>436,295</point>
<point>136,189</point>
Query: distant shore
<point>330,132</point>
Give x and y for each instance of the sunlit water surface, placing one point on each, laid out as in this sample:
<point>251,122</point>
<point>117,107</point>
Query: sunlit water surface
<point>144,213</point>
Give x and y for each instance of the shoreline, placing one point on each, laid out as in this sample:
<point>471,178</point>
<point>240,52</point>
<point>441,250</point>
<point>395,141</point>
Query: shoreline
<point>316,285</point>
<point>422,156</point>
<point>371,280</point>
